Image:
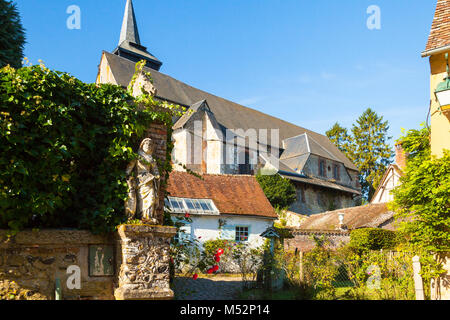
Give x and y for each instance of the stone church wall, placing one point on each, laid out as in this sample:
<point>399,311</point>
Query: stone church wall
<point>311,200</point>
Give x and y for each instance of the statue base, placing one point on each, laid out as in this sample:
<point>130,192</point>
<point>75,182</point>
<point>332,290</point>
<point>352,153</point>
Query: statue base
<point>143,262</point>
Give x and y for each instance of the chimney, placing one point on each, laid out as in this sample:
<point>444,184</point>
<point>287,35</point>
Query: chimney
<point>400,156</point>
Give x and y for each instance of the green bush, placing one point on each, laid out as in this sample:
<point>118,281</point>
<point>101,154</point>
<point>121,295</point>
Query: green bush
<point>373,239</point>
<point>211,246</point>
<point>279,191</point>
<point>64,148</point>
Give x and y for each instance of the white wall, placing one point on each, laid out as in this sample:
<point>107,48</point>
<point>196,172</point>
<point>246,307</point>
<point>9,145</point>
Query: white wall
<point>384,193</point>
<point>207,227</point>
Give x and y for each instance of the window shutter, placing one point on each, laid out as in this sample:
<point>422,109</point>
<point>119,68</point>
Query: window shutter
<point>228,232</point>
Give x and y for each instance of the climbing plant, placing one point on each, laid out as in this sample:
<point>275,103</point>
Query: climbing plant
<point>64,147</point>
<point>422,201</point>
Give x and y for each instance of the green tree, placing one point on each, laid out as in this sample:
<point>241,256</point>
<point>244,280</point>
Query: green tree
<point>366,147</point>
<point>12,35</point>
<point>280,191</point>
<point>342,139</point>
<point>372,154</point>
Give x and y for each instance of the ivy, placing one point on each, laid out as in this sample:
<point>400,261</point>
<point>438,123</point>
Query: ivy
<point>64,147</point>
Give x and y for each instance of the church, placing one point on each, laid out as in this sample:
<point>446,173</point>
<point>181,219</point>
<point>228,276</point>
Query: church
<point>219,137</point>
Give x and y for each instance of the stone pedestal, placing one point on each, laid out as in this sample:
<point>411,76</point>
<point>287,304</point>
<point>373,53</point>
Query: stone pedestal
<point>143,262</point>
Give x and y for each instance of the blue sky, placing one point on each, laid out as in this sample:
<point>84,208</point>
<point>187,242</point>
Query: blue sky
<point>308,62</point>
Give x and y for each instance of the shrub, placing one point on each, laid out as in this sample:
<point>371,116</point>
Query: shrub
<point>64,148</point>
<point>373,239</point>
<point>279,191</point>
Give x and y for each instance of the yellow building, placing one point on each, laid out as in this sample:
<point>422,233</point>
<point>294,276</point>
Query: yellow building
<point>438,51</point>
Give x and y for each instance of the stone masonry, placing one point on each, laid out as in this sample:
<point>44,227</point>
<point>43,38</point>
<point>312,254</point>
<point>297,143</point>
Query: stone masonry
<point>143,262</point>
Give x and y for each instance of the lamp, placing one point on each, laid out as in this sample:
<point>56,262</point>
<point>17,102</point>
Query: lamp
<point>442,91</point>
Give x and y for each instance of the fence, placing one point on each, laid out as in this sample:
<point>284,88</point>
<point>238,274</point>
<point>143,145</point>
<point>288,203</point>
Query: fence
<point>345,274</point>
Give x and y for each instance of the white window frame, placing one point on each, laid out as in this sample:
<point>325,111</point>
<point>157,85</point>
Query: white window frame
<point>195,203</point>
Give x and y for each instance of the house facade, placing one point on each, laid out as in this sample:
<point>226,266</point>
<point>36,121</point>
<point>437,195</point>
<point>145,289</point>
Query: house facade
<point>438,50</point>
<point>218,136</point>
<point>391,177</point>
<point>226,207</point>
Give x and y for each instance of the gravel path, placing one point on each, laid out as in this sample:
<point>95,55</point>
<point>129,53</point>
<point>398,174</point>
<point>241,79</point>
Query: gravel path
<point>212,288</point>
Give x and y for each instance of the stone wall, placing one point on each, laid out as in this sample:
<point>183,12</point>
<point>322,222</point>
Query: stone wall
<point>158,133</point>
<point>130,264</point>
<point>311,199</point>
<point>303,239</point>
<point>143,262</point>
<point>31,261</point>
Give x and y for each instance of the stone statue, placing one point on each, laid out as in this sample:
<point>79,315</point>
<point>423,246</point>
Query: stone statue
<point>143,197</point>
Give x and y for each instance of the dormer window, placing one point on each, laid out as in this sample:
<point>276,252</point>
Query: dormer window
<point>336,172</point>
<point>322,168</point>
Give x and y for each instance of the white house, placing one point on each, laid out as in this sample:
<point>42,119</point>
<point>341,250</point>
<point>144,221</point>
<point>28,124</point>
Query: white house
<point>391,178</point>
<point>229,207</point>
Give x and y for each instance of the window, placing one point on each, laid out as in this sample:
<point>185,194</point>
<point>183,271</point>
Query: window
<point>241,234</point>
<point>322,171</point>
<point>336,172</point>
<point>191,206</point>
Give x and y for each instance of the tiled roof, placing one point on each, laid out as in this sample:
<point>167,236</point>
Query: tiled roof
<point>232,194</point>
<point>440,29</point>
<point>369,216</point>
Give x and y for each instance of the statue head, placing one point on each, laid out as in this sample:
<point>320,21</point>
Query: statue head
<point>147,146</point>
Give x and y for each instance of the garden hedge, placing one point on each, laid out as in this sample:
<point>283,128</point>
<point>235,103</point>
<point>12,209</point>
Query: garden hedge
<point>373,239</point>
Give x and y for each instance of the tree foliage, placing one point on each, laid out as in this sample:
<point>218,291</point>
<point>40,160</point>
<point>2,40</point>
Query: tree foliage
<point>279,191</point>
<point>423,197</point>
<point>367,147</point>
<point>12,35</point>
<point>341,138</point>
<point>64,148</point>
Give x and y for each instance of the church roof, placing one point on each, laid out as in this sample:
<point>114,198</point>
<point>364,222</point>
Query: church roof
<point>440,29</point>
<point>227,113</point>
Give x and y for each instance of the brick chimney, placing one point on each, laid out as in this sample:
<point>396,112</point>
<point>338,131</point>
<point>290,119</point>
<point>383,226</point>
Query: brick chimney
<point>400,156</point>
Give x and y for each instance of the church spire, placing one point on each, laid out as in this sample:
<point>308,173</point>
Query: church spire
<point>130,46</point>
<point>129,27</point>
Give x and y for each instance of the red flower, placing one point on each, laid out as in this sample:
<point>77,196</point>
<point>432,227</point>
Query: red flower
<point>217,258</point>
<point>210,270</point>
<point>215,268</point>
<point>199,237</point>
<point>219,252</point>
<point>187,215</point>
<point>195,277</point>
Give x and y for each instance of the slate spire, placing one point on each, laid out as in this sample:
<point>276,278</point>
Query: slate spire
<point>129,26</point>
<point>130,46</point>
